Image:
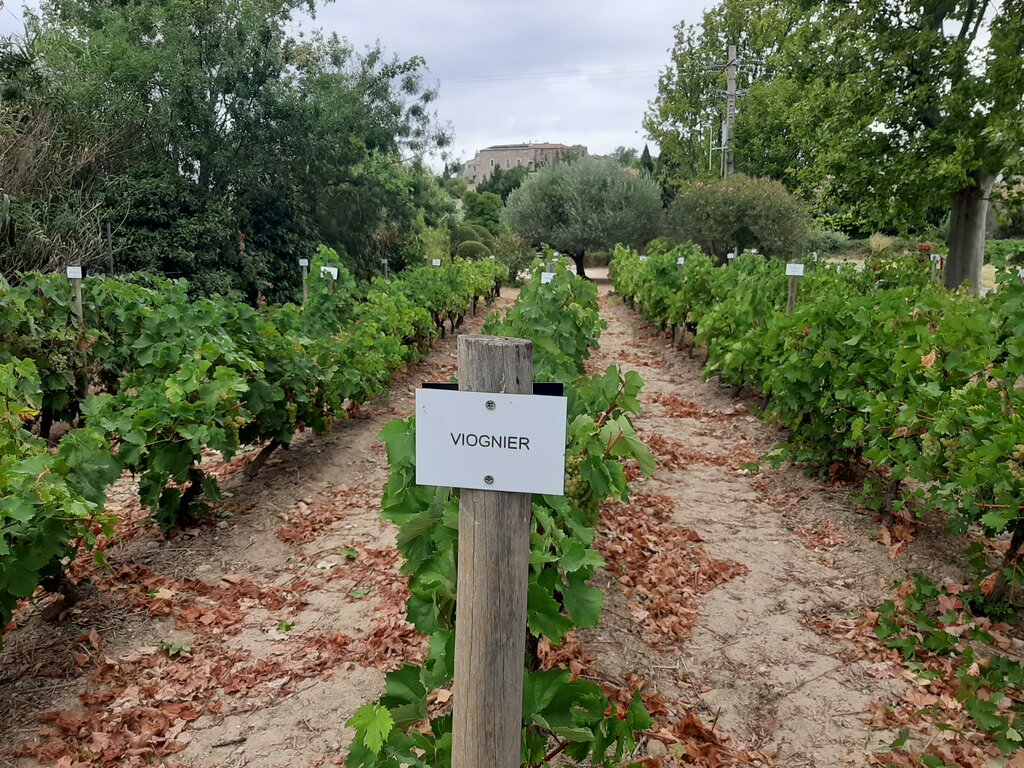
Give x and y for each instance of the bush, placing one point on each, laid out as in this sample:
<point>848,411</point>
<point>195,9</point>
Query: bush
<point>822,240</point>
<point>880,244</point>
<point>471,250</point>
<point>515,254</point>
<point>463,233</point>
<point>1003,252</point>
<point>437,244</point>
<point>483,235</point>
<point>740,211</point>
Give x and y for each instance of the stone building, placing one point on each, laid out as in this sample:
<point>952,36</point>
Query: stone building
<point>509,156</point>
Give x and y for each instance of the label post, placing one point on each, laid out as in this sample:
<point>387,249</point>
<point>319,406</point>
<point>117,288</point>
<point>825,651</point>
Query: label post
<point>493,571</point>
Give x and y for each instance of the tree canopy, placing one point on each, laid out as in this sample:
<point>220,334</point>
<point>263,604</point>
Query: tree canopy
<point>216,143</point>
<point>883,115</point>
<point>501,182</point>
<point>587,204</point>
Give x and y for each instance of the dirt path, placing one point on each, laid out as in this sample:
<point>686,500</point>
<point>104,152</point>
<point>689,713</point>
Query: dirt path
<point>769,552</point>
<point>248,643</point>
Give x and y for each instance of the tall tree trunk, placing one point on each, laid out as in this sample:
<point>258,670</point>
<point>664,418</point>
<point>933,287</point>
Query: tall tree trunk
<point>578,258</point>
<point>967,233</point>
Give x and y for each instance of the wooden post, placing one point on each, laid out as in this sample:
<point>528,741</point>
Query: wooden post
<point>75,276</point>
<point>304,263</point>
<point>78,304</point>
<point>792,294</point>
<point>494,554</point>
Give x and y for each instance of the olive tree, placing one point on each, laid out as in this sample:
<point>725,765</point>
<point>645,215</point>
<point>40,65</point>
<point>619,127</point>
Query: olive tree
<point>586,204</point>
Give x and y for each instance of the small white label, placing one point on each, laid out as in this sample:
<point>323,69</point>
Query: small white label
<point>491,441</point>
<point>74,273</point>
<point>303,262</point>
<point>331,272</point>
<point>681,261</point>
<point>1020,272</point>
<point>546,277</point>
<point>436,262</point>
<point>643,259</point>
<point>754,251</point>
<point>794,270</point>
<point>937,258</point>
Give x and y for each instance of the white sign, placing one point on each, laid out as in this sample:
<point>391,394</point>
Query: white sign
<point>1020,272</point>
<point>74,273</point>
<point>303,262</point>
<point>331,272</point>
<point>794,270</point>
<point>546,277</point>
<point>681,261</point>
<point>937,257</point>
<point>643,259</point>
<point>490,441</point>
<point>436,262</point>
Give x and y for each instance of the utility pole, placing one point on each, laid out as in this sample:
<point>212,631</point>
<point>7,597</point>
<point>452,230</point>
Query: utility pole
<point>729,126</point>
<point>732,67</point>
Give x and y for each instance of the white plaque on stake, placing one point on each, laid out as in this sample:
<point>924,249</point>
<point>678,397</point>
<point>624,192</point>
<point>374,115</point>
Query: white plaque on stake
<point>937,257</point>
<point>303,262</point>
<point>331,272</point>
<point>490,441</point>
<point>681,261</point>
<point>546,277</point>
<point>794,270</point>
<point>74,273</point>
<point>436,262</point>
<point>643,259</point>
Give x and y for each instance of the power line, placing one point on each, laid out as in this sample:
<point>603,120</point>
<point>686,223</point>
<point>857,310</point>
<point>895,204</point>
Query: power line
<point>558,73</point>
<point>533,83</point>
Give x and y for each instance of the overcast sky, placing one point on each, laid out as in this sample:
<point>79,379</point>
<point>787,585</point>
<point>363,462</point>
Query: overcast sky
<point>574,71</point>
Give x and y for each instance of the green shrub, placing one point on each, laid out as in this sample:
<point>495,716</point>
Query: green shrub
<point>483,235</point>
<point>437,244</point>
<point>1002,252</point>
<point>740,211</point>
<point>515,254</point>
<point>822,240</point>
<point>880,244</point>
<point>471,250</point>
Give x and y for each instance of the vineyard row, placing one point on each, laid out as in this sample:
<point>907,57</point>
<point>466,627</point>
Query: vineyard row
<point>154,378</point>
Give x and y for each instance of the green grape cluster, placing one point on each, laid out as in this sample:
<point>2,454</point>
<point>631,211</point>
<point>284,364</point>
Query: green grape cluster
<point>1017,462</point>
<point>231,425</point>
<point>578,491</point>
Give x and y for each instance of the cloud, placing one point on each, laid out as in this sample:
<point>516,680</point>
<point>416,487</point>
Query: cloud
<point>576,71</point>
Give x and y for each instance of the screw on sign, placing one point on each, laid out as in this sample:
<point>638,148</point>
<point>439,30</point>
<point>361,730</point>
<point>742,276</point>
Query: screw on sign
<point>499,443</point>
